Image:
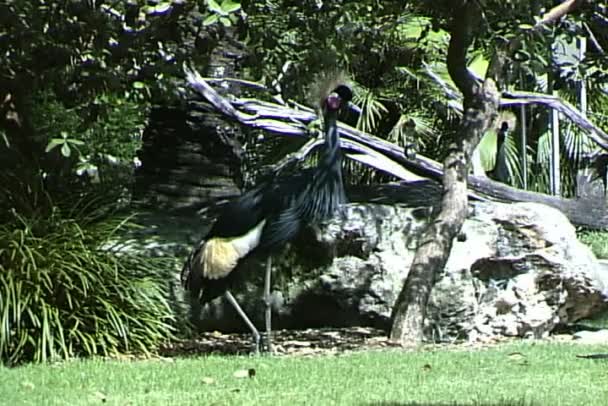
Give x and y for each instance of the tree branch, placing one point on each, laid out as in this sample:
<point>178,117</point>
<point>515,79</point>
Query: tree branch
<point>435,244</point>
<point>460,40</point>
<point>513,98</point>
<point>381,154</point>
<point>595,133</point>
<point>559,11</point>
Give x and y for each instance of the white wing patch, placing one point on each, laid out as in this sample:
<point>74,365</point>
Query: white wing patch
<point>220,256</point>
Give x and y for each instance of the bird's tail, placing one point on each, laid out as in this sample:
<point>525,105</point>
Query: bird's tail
<point>191,278</point>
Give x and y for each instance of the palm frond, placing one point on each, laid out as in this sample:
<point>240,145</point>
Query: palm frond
<point>371,107</point>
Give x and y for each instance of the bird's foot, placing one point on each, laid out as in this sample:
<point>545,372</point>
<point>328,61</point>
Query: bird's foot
<point>268,347</point>
<point>256,344</point>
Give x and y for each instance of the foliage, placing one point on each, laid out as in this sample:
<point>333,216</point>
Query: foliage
<point>389,48</point>
<point>597,241</point>
<point>293,44</point>
<point>99,146</point>
<point>549,61</point>
<point>66,291</point>
<point>79,76</point>
<point>221,12</point>
<point>100,55</point>
<point>92,47</point>
<point>530,373</point>
<point>76,86</point>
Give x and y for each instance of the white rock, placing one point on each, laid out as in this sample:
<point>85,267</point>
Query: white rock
<point>591,337</point>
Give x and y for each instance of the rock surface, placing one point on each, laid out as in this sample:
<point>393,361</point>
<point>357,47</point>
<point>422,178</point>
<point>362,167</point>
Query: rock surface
<point>518,271</point>
<point>592,337</point>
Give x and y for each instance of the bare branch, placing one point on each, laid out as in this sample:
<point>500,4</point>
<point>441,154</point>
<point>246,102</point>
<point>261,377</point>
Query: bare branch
<point>564,107</point>
<point>513,98</point>
<point>447,88</point>
<point>559,11</point>
<point>370,149</point>
<point>593,39</point>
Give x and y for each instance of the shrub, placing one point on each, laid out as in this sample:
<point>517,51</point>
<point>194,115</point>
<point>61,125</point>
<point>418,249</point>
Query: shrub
<point>65,292</point>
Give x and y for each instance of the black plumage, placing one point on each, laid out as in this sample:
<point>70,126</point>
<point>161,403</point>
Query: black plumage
<point>267,216</point>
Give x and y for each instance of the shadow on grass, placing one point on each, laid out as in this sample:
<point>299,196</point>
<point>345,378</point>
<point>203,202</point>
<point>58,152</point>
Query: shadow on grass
<point>473,403</point>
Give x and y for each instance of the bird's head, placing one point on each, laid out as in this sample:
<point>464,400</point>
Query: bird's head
<point>338,98</point>
<point>331,91</point>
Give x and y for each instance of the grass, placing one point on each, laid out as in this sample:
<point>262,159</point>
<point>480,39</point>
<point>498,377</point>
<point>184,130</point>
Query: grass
<point>514,374</point>
<point>597,241</point>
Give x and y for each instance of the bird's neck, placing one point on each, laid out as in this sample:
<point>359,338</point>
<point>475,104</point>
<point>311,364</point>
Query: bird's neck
<point>331,155</point>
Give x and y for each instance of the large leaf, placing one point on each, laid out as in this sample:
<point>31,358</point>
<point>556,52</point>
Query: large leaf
<point>66,151</point>
<point>213,6</point>
<point>211,19</point>
<point>53,143</point>
<point>372,109</point>
<point>230,6</point>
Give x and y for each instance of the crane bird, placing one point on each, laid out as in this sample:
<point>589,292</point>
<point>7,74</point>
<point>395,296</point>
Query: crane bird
<point>267,216</point>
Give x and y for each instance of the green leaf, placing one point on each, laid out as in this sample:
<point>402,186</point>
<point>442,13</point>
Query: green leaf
<point>139,85</point>
<point>213,6</point>
<point>160,8</point>
<point>479,65</point>
<point>76,142</point>
<point>55,142</point>
<point>65,150</point>
<point>5,139</point>
<point>68,258</point>
<point>230,6</point>
<point>211,19</point>
<point>225,21</point>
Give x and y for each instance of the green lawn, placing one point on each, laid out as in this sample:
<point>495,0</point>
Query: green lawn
<point>519,374</point>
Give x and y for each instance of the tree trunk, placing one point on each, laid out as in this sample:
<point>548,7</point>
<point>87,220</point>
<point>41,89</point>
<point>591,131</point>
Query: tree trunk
<point>191,156</point>
<point>480,106</point>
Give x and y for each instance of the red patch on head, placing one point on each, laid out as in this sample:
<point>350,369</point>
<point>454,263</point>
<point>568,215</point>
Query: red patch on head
<point>333,102</point>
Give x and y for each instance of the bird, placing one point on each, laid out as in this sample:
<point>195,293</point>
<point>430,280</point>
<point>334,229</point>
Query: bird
<point>267,216</point>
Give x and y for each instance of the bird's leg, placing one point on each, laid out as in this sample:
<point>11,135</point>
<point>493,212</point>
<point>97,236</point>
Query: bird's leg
<point>254,331</point>
<point>267,302</point>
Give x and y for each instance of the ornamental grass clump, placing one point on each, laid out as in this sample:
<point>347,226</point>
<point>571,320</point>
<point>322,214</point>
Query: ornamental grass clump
<point>65,292</point>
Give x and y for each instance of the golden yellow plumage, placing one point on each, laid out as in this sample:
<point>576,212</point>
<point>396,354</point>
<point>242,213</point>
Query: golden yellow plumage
<point>218,257</point>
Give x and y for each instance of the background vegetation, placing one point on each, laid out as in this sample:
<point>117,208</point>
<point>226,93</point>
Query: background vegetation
<point>78,81</point>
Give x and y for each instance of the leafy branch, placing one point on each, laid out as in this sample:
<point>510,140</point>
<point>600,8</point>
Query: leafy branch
<point>222,12</point>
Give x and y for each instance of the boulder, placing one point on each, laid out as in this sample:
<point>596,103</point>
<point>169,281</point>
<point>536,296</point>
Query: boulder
<point>598,337</point>
<point>515,270</point>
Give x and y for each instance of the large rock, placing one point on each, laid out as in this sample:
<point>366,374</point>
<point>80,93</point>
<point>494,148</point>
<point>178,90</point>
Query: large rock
<point>516,270</point>
<point>520,271</point>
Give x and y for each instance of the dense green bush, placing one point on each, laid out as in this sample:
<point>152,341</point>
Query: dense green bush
<point>65,291</point>
<point>101,140</point>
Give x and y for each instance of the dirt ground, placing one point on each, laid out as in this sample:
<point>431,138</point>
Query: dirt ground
<point>323,341</point>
